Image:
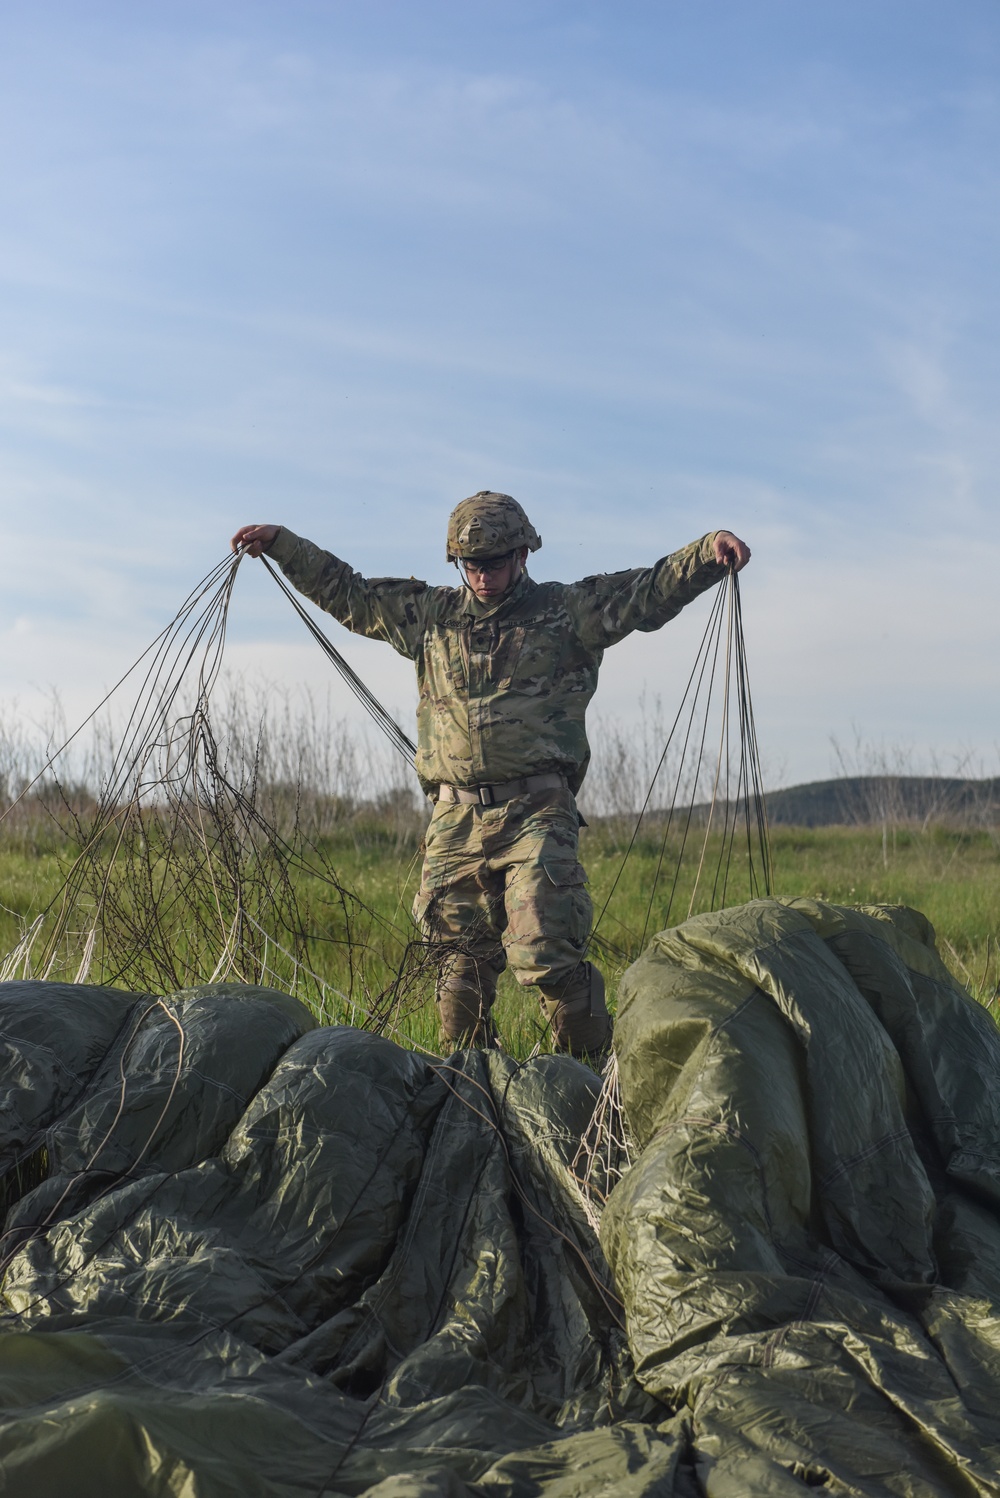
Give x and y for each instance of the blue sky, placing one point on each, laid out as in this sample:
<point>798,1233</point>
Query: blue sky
<point>652,268</point>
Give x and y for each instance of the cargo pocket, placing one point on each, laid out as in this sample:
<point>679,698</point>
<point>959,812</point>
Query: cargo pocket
<point>564,902</point>
<point>422,902</point>
<point>564,873</point>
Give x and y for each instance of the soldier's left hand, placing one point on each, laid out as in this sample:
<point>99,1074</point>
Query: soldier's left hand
<point>730,551</point>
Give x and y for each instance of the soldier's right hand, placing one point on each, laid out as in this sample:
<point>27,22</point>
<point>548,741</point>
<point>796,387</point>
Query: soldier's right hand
<point>253,539</point>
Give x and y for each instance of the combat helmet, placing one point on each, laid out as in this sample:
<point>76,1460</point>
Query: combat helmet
<point>489,525</point>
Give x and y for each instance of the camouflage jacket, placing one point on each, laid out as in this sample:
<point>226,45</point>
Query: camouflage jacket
<point>503,688</point>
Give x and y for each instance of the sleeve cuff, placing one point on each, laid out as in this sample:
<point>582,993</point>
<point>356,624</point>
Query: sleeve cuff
<point>283,546</point>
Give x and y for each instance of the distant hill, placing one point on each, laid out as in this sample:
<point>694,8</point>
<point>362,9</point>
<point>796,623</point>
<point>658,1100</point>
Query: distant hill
<point>866,799</point>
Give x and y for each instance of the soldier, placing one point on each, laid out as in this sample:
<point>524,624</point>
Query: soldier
<point>505,667</point>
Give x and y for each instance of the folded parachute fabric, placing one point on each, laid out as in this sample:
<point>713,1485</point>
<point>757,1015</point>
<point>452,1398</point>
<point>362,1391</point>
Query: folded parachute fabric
<point>808,1245</point>
<point>246,1255</point>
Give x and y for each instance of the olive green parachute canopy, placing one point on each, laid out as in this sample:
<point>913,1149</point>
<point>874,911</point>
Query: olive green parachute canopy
<point>249,1256</point>
<point>489,525</point>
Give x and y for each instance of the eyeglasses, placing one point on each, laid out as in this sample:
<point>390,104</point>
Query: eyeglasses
<point>482,566</point>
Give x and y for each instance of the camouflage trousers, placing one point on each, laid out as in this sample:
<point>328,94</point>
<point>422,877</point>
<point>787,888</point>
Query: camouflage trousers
<point>503,884</point>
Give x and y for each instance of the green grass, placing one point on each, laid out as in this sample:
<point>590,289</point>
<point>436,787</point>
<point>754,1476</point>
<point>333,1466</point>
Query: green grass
<point>953,876</point>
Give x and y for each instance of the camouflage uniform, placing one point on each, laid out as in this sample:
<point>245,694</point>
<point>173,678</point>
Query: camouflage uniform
<point>504,689</point>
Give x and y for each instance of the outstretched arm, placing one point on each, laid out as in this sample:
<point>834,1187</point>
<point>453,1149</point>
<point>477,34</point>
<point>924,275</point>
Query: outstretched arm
<point>253,539</point>
<point>609,607</point>
<point>730,551</point>
<point>384,608</point>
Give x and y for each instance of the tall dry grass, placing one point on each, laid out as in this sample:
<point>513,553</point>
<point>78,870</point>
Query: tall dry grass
<point>326,786</point>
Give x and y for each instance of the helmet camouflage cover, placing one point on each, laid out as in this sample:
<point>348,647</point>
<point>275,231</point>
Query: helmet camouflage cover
<point>489,525</point>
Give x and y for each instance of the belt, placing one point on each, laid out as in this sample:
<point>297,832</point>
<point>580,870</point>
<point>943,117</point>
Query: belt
<point>492,795</point>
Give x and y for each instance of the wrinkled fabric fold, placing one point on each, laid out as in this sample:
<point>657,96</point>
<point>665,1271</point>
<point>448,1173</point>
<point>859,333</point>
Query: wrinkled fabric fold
<point>807,1245</point>
<point>247,1255</point>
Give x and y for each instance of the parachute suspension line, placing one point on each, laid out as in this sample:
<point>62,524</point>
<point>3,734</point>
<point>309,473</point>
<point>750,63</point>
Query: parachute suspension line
<point>697,670</point>
<point>171,646</point>
<point>750,771</point>
<point>197,632</point>
<point>178,872</point>
<point>156,648</point>
<point>735,800</point>
<point>723,755</point>
<point>729,802</point>
<point>711,654</point>
<point>605,1150</point>
<point>749,783</point>
<point>385,721</point>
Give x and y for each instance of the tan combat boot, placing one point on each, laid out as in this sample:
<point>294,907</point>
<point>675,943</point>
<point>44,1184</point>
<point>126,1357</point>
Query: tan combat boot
<point>578,1013</point>
<point>466,988</point>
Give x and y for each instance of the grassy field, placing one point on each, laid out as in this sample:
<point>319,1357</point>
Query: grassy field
<point>953,876</point>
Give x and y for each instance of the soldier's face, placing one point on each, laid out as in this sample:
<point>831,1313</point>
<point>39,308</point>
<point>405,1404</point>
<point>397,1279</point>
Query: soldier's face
<point>491,577</point>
